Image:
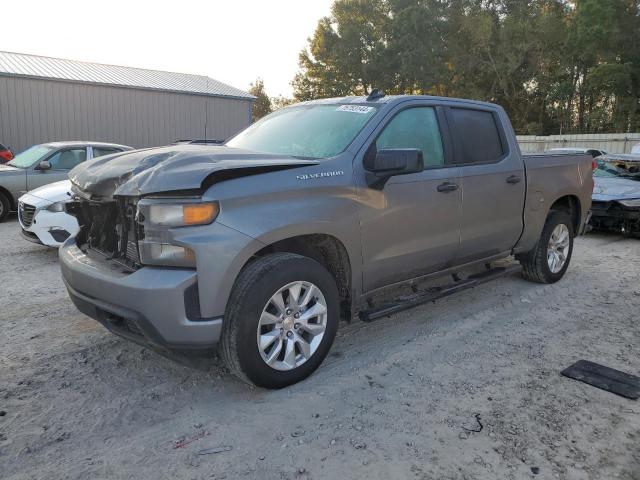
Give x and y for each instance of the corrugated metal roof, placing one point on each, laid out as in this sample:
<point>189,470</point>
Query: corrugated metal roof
<point>72,70</point>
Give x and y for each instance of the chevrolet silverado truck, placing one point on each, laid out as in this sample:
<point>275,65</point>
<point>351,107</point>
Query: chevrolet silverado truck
<point>258,247</point>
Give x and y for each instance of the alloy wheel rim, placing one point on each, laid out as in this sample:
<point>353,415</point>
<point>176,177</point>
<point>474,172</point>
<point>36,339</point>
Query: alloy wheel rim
<point>292,325</point>
<point>558,248</point>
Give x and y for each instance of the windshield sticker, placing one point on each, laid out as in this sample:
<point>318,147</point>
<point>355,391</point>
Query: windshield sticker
<point>354,108</point>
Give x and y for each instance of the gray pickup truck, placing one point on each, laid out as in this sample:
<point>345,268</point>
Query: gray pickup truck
<point>258,247</point>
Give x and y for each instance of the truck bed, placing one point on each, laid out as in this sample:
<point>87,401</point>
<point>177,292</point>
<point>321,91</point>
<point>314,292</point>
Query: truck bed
<point>550,176</point>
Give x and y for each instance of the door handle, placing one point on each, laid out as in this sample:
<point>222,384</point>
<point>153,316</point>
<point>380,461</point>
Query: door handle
<point>447,187</point>
<point>513,179</point>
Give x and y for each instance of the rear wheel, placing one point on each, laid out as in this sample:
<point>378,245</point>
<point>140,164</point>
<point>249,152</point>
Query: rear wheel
<point>549,260</point>
<point>5,206</point>
<point>281,320</point>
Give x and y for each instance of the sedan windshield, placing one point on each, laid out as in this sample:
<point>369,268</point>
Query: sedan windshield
<point>306,131</point>
<point>620,169</point>
<point>30,156</point>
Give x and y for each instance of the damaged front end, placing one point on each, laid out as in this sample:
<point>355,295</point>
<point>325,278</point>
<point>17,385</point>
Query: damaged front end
<point>616,216</point>
<point>108,227</point>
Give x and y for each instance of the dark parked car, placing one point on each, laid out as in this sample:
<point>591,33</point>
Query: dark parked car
<point>6,154</point>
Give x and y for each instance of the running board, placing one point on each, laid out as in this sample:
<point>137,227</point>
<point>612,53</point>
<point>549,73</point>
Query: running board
<point>429,295</point>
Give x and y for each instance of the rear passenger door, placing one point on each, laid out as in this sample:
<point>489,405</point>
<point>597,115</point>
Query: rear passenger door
<point>411,225</point>
<point>492,180</point>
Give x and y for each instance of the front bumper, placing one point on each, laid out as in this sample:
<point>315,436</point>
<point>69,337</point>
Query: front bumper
<point>615,217</point>
<point>45,227</point>
<point>157,307</point>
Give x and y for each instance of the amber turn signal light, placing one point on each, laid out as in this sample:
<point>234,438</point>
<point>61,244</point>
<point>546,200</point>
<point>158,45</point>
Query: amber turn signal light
<point>200,213</point>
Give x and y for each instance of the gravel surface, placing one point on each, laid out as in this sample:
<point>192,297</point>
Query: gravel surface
<point>466,388</point>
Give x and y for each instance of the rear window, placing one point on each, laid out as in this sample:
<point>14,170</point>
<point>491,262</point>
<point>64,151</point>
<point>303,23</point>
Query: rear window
<point>100,151</point>
<point>478,136</point>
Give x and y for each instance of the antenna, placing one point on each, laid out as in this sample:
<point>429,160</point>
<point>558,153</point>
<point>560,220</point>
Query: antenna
<point>375,94</point>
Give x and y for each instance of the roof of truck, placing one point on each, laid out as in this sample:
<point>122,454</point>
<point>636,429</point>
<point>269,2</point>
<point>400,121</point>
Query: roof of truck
<point>387,99</point>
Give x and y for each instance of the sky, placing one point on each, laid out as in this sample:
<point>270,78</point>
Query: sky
<point>234,41</point>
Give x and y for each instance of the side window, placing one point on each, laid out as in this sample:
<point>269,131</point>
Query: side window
<point>478,134</point>
<point>67,159</point>
<point>414,128</point>
<point>100,151</point>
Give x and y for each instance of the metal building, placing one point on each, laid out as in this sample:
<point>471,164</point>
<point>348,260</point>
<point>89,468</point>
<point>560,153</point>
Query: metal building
<point>46,99</point>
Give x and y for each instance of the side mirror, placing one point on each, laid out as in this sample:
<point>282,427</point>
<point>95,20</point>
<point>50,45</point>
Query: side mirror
<point>388,163</point>
<point>44,165</point>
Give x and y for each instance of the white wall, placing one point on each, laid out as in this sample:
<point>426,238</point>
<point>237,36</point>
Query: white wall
<point>610,142</point>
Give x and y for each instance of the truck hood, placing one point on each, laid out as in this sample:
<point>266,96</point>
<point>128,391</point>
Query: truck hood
<point>173,168</point>
<point>607,189</point>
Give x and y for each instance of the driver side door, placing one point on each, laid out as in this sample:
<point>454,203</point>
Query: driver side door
<point>411,226</point>
<point>61,162</point>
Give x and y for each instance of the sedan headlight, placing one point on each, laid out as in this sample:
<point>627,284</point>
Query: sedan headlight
<point>630,203</point>
<point>182,215</point>
<point>56,207</point>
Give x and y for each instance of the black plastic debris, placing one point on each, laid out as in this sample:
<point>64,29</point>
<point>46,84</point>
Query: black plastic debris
<point>605,378</point>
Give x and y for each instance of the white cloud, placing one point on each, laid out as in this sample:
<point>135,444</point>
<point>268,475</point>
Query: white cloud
<point>233,41</point>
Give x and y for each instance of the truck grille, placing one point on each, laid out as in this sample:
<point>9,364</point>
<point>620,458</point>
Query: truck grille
<point>25,214</point>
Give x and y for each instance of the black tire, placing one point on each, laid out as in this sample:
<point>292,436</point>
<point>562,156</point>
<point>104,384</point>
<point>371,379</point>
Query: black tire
<point>535,266</point>
<point>255,285</point>
<point>5,206</point>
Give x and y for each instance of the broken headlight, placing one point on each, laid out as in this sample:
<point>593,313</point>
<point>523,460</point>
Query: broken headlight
<point>630,203</point>
<point>56,207</point>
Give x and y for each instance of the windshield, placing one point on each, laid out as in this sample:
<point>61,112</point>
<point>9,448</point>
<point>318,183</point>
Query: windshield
<point>30,156</point>
<point>308,131</point>
<point>620,169</point>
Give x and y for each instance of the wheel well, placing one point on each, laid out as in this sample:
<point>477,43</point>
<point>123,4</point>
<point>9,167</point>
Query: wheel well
<point>9,197</point>
<point>326,250</point>
<point>571,205</point>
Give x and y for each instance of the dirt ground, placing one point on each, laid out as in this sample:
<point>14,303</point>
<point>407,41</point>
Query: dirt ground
<point>466,388</point>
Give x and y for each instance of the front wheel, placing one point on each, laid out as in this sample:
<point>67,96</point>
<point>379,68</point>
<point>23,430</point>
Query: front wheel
<point>281,320</point>
<point>549,260</point>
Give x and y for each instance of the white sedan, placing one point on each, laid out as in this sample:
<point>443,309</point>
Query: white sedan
<point>42,215</point>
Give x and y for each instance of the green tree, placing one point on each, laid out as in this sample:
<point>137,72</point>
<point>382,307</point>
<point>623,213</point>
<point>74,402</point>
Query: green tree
<point>262,103</point>
<point>281,102</point>
<point>345,55</point>
<point>555,65</point>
